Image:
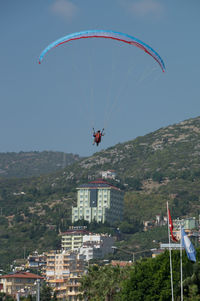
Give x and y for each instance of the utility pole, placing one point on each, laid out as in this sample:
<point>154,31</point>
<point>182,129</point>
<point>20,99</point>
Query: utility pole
<point>18,296</point>
<point>38,290</point>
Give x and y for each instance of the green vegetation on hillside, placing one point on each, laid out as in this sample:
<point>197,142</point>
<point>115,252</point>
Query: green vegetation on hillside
<point>161,166</point>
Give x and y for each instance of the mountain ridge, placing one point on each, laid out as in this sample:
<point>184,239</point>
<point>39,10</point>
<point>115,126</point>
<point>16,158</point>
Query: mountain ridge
<point>33,163</point>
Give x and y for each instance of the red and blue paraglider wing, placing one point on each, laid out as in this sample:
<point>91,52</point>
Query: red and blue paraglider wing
<point>107,34</point>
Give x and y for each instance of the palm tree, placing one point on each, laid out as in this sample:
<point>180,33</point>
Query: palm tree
<point>102,283</point>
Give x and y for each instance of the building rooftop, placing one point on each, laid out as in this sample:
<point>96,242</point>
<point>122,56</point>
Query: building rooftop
<point>97,184</point>
<point>75,232</point>
<point>26,275</point>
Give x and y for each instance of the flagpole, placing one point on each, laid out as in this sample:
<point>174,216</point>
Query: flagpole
<point>170,254</point>
<point>181,264</point>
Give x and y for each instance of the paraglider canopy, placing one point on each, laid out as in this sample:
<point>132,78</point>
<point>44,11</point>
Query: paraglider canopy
<point>108,34</point>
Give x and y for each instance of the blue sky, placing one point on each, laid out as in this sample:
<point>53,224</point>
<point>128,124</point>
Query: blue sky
<point>95,82</point>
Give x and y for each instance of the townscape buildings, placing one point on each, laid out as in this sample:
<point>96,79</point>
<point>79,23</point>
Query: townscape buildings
<point>62,269</point>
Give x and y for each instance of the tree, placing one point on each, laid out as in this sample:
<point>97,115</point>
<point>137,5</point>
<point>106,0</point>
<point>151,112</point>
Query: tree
<point>46,293</point>
<point>157,177</point>
<point>102,283</point>
<point>150,280</point>
<point>4,297</point>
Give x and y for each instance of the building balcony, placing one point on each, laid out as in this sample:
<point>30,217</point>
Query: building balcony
<point>73,293</point>
<point>57,288</point>
<point>62,295</point>
<point>72,284</point>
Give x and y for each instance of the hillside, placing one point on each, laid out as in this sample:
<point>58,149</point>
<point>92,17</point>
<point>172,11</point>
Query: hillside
<point>163,165</point>
<point>29,164</point>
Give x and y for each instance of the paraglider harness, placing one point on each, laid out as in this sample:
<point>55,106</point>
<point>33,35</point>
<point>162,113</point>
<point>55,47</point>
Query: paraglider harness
<point>97,136</point>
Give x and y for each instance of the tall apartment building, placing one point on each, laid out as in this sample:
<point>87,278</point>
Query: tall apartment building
<point>61,263</point>
<point>98,201</point>
<point>64,270</point>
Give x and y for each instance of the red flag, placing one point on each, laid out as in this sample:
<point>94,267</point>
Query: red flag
<point>171,227</point>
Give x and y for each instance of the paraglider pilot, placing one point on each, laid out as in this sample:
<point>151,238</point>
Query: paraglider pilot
<point>97,136</point>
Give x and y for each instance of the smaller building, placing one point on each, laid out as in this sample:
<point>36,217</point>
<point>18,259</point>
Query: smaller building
<point>148,225</point>
<point>189,223</point>
<point>67,288</point>
<point>96,246</point>
<point>157,252</point>
<point>18,282</point>
<point>108,174</point>
<point>72,239</point>
<point>88,244</point>
<point>36,260</point>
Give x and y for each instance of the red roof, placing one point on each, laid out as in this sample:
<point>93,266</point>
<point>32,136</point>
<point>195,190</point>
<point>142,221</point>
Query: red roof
<point>103,182</point>
<point>22,275</point>
<point>99,181</point>
<point>74,231</point>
